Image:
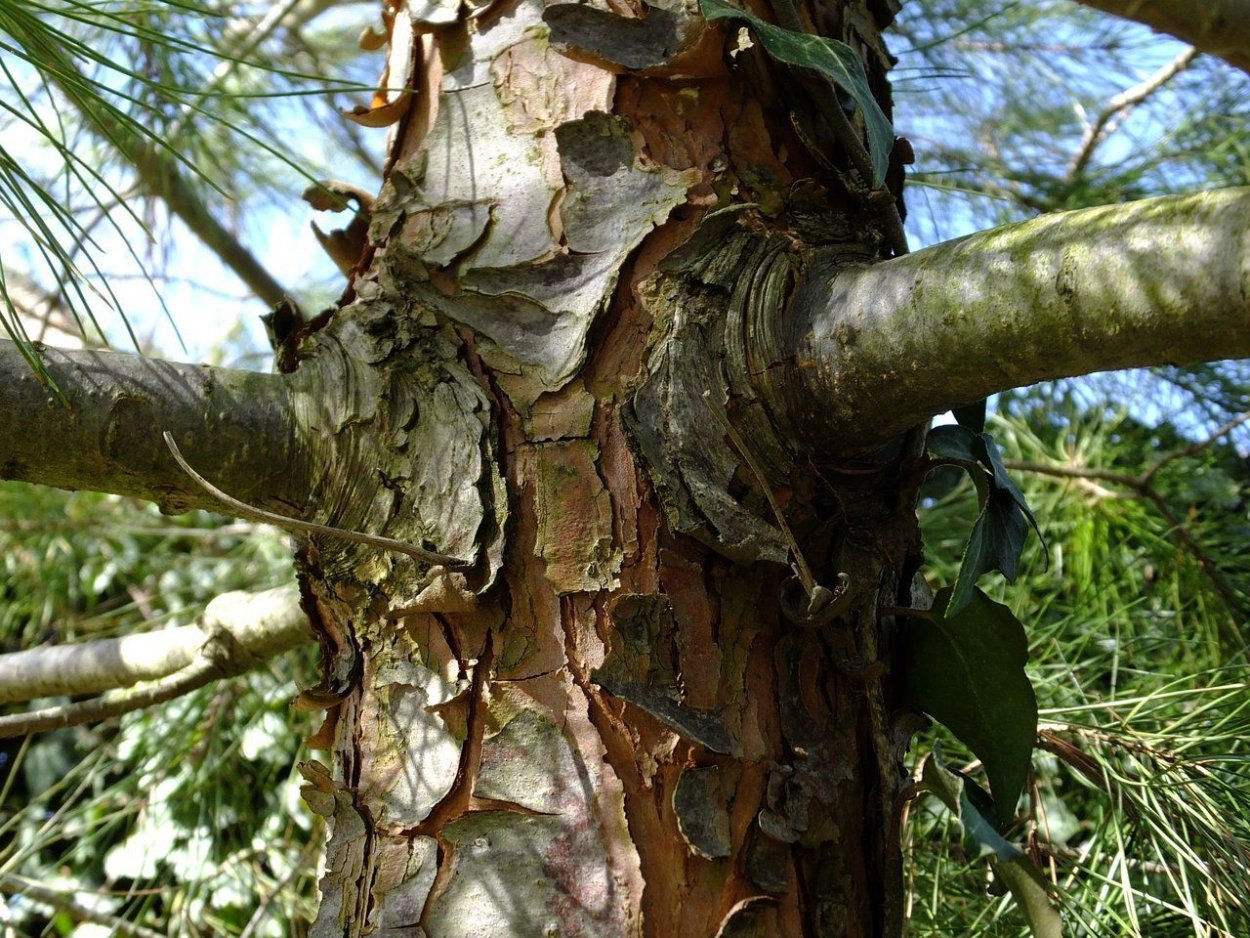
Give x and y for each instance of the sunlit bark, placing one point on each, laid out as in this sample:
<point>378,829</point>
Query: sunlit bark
<point>105,434</point>
<point>1161,281</point>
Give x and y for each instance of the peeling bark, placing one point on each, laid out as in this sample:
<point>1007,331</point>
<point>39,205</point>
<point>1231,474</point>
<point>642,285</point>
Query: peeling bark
<point>606,726</point>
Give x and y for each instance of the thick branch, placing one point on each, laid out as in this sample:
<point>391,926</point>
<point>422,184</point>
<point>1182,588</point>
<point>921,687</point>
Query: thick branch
<point>236,427</point>
<point>254,626</point>
<point>867,352</point>
<point>1218,27</point>
<point>221,655</point>
<point>161,176</point>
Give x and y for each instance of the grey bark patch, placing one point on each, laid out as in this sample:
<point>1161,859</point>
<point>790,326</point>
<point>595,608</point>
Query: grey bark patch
<point>514,24</point>
<point>445,490</point>
<point>634,672</point>
<point>530,763</point>
<point>396,720</point>
<point>442,234</point>
<point>530,283</point>
<point>611,202</point>
<point>524,877</point>
<point>712,299</point>
<point>344,868</point>
<point>650,42</point>
<point>434,12</point>
<point>705,727</point>
<point>788,800</point>
<point>403,872</point>
<point>702,816</point>
<point>768,863</point>
<point>400,431</point>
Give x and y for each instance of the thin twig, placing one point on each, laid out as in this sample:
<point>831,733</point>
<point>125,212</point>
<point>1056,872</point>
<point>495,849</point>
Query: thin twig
<point>1146,492</point>
<point>1118,108</point>
<point>1073,472</point>
<point>200,672</point>
<point>1195,448</point>
<point>304,861</point>
<point>161,175</point>
<point>1142,487</point>
<point>252,513</point>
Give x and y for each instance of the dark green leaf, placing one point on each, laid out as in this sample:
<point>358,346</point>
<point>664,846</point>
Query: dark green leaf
<point>996,542</point>
<point>971,416</point>
<point>1011,865</point>
<point>987,452</point>
<point>998,536</point>
<point>967,672</point>
<point>831,58</point>
<point>953,443</point>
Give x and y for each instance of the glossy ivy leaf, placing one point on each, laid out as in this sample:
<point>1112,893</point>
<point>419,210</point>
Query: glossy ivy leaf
<point>1011,865</point>
<point>966,670</point>
<point>1002,527</point>
<point>831,58</point>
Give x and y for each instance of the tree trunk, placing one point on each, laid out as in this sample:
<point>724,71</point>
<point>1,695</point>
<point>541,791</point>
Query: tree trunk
<point>617,714</point>
<point>624,348</point>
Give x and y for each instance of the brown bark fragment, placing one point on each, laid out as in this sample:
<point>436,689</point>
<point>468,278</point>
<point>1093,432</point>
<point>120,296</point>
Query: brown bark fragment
<point>574,517</point>
<point>686,583</point>
<point>541,89</point>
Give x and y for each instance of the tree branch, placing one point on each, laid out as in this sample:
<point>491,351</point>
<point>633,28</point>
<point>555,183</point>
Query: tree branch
<point>1142,487</point>
<point>237,424</point>
<point>1217,27</point>
<point>219,655</point>
<point>201,671</point>
<point>42,314</point>
<point>259,625</point>
<point>864,353</point>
